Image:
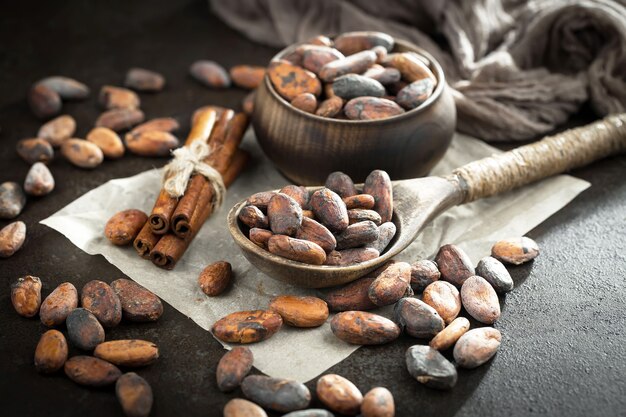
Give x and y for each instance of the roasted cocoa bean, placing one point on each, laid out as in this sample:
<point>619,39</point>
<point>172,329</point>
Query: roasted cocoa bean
<point>352,42</point>
<point>26,295</point>
<point>305,102</point>
<point>67,88</point>
<point>120,119</point>
<point>359,201</point>
<point>215,278</point>
<point>339,394</point>
<point>44,102</point>
<point>430,367</point>
<point>363,215</point>
<point>57,130</point>
<point>423,273</point>
<point>383,75</point>
<point>370,108</point>
<point>247,76</point>
<point>108,141</point>
<point>476,347</point>
<point>276,394</point>
<point>321,40</point>
<point>352,296</point>
<point>314,57</point>
<point>238,407</point>
<point>414,94</point>
<point>353,64</point>
<point>138,303</point>
<point>330,107</point>
<point>351,256</point>
<point>130,353</point>
<point>516,250</point>
<point>83,329</point>
<point>350,86</point>
<point>284,215</point>
<point>309,214</point>
<point>247,326</point>
<point>81,153</point>
<point>330,210</point>
<point>99,298</point>
<point>411,66</point>
<point>260,236</point>
<point>381,53</point>
<point>480,300</point>
<point>161,124</point>
<point>253,217</point>
<point>233,368</point>
<point>124,226</point>
<point>315,232</point>
<point>495,273</point>
<point>328,90</point>
<point>300,194</point>
<point>153,143</point>
<point>454,264</point>
<point>290,80</point>
<point>357,234</point>
<point>58,305</point>
<point>296,249</point>
<point>311,412</point>
<point>300,311</point>
<point>90,371</point>
<point>134,394</point>
<point>12,200</point>
<point>378,402</point>
<point>12,237</point>
<point>341,184</point>
<point>51,352</point>
<point>417,318</point>
<point>118,98</point>
<point>247,104</point>
<point>443,297</point>
<point>39,180</point>
<point>144,80</point>
<point>391,285</point>
<point>378,185</point>
<point>261,200</point>
<point>363,328</point>
<point>35,150</point>
<point>210,73</point>
<point>448,336</point>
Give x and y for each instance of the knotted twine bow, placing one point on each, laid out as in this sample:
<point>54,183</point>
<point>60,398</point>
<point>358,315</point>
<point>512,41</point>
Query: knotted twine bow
<point>189,160</point>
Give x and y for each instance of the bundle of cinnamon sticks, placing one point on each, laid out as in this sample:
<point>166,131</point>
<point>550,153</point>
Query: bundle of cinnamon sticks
<point>174,221</point>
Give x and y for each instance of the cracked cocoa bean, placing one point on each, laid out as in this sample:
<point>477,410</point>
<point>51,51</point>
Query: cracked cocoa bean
<point>363,328</point>
<point>276,394</point>
<point>233,367</point>
<point>417,318</point>
<point>247,326</point>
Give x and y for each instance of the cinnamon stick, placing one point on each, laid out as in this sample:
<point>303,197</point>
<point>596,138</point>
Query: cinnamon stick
<point>145,241</point>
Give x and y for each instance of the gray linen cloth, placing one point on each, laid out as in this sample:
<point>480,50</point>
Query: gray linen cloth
<point>518,68</point>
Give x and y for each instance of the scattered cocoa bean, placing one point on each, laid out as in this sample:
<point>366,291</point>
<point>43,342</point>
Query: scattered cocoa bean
<point>330,107</point>
<point>124,226</point>
<point>296,249</point>
<point>476,347</point>
<point>276,393</point>
<point>306,102</point>
<point>138,303</point>
<point>330,209</point>
<point>26,295</point>
<point>430,367</point>
<point>215,278</point>
<point>423,273</point>
<point>391,285</point>
<point>516,250</point>
<point>352,296</point>
<point>454,264</point>
<point>443,297</point>
<point>134,394</point>
<point>57,130</point>
<point>495,273</point>
<point>339,394</point>
<point>58,305</point>
<point>410,66</point>
<point>363,328</point>
<point>43,101</point>
<point>83,329</point>
<point>414,94</point>
<point>233,368</point>
<point>12,237</point>
<point>359,201</point>
<point>291,80</point>
<point>378,402</point>
<point>99,298</point>
<point>383,75</point>
<point>350,86</point>
<point>261,200</point>
<point>90,371</point>
<point>315,232</point>
<point>39,180</point>
<point>300,194</point>
<point>247,104</point>
<point>351,256</point>
<point>130,353</point>
<point>417,318</point>
<point>118,98</point>
<point>363,215</point>
<point>153,143</point>
<point>247,326</point>
<point>356,64</point>
<point>300,311</point>
<point>480,300</point>
<point>210,73</point>
<point>260,236</point>
<point>35,150</point>
<point>353,42</point>
<point>81,153</point>
<point>12,200</point>
<point>238,407</point>
<point>253,217</point>
<point>448,336</point>
<point>247,76</point>
<point>314,57</point>
<point>162,124</point>
<point>120,119</point>
<point>51,352</point>
<point>370,108</point>
<point>341,184</point>
<point>108,141</point>
<point>357,234</point>
<point>67,88</point>
<point>144,80</point>
<point>284,215</point>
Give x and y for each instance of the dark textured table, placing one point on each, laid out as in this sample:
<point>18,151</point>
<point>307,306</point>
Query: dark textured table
<point>563,351</point>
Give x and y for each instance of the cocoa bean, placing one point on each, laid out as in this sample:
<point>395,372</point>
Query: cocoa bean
<point>383,75</point>
<point>448,336</point>
<point>339,394</point>
<point>378,185</point>
<point>430,367</point>
<point>353,64</point>
<point>83,329</point>
<point>417,318</point>
<point>311,412</point>
<point>454,264</point>
<point>381,53</point>
<point>386,232</point>
<point>43,101</point>
<point>300,311</point>
<point>238,407</point>
<point>118,98</point>
<point>39,180</point>
<point>290,80</point>
<point>315,57</point>
<point>317,233</point>
<point>120,119</point>
<point>57,130</point>
<point>134,394</point>
<point>293,57</point>
<point>443,297</point>
<point>90,371</point>
<point>162,124</point>
<point>81,153</point>
<point>124,226</point>
<point>351,256</point>
<point>253,217</point>
<point>321,40</point>
<point>99,298</point>
<point>210,73</point>
<point>247,76</point>
<point>51,352</point>
<point>247,326</point>
<point>378,402</point>
<point>352,296</point>
<point>35,150</point>
<point>363,328</point>
<point>12,237</point>
<point>284,215</point>
<point>359,201</point>
<point>233,368</point>
<point>247,104</point>
<point>341,184</point>
<point>495,273</point>
<point>414,94</point>
<point>371,108</point>
<point>300,194</point>
<point>12,200</point>
<point>516,250</point>
<point>26,295</point>
<point>58,305</point>
<point>476,347</point>
<point>330,107</point>
<point>363,215</point>
<point>261,200</point>
<point>108,141</point>
<point>423,273</point>
<point>276,394</point>
<point>305,102</point>
<point>67,88</point>
<point>130,353</point>
<point>350,86</point>
<point>410,66</point>
<point>215,278</point>
<point>328,90</point>
<point>330,210</point>
<point>480,300</point>
<point>391,285</point>
<point>296,249</point>
<point>153,143</point>
<point>144,80</point>
<point>260,236</point>
<point>353,42</point>
<point>138,303</point>
<point>357,234</point>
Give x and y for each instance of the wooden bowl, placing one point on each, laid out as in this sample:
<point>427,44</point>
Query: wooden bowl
<point>306,148</point>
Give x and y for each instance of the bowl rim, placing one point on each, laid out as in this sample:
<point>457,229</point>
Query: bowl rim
<point>434,66</point>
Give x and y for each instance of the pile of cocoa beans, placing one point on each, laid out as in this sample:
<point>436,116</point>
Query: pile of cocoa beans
<point>354,76</point>
<point>336,225</point>
<point>103,307</point>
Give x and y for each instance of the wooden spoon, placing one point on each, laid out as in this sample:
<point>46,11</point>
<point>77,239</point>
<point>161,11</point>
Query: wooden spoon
<point>419,201</point>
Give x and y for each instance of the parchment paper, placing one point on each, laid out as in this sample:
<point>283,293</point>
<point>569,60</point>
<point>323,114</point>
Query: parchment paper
<point>301,354</point>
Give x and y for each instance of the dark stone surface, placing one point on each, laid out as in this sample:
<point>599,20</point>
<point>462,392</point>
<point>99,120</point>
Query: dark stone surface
<point>563,349</point>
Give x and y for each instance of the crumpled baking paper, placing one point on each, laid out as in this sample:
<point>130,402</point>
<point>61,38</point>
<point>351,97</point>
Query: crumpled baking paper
<point>300,354</point>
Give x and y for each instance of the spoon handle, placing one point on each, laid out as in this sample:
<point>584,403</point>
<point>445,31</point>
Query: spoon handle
<point>550,156</point>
